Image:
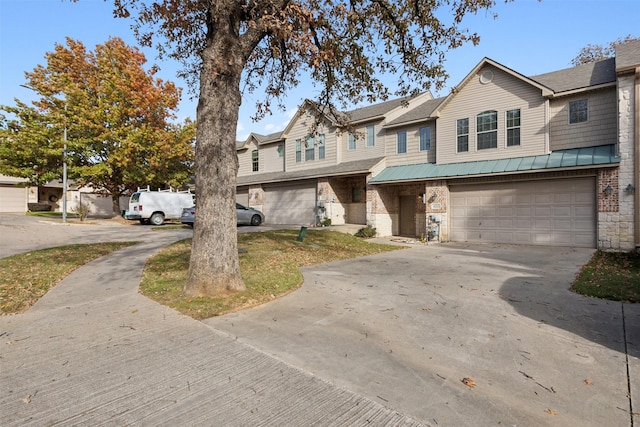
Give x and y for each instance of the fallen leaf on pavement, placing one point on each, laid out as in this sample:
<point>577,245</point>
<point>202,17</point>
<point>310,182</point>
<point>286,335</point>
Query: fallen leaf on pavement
<point>588,382</point>
<point>468,382</point>
<point>550,412</point>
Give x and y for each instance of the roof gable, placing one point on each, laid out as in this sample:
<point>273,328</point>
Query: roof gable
<point>546,91</point>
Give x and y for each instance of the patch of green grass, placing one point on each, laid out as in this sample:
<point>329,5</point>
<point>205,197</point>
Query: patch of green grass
<point>270,268</point>
<point>51,214</point>
<point>25,278</point>
<point>610,275</point>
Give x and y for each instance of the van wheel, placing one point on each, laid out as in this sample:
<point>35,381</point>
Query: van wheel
<point>156,219</point>
<point>256,220</point>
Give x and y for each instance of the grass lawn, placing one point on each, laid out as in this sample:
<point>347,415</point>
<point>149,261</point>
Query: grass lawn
<point>611,275</point>
<point>270,268</point>
<point>25,278</point>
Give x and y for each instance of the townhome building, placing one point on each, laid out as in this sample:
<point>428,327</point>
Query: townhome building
<point>550,159</point>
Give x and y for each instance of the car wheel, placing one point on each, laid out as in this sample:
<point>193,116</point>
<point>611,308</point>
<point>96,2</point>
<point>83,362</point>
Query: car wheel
<point>156,219</point>
<point>256,220</point>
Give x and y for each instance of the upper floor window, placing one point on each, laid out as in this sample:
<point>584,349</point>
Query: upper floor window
<point>462,133</point>
<point>401,142</point>
<point>281,150</point>
<point>309,152</point>
<point>351,145</point>
<point>321,146</point>
<point>298,151</point>
<point>513,128</point>
<point>487,129</point>
<point>425,138</point>
<point>370,142</point>
<point>255,163</point>
<point>578,111</point>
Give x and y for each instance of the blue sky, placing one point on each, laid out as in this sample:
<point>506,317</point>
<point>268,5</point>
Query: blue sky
<point>529,37</point>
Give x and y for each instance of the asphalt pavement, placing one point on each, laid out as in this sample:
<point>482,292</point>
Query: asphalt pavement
<point>444,334</point>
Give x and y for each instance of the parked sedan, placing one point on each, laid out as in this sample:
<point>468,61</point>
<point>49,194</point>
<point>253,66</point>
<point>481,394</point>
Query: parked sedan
<point>246,216</point>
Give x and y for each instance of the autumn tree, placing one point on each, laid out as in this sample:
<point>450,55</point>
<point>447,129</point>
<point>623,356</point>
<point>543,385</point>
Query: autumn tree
<point>595,52</point>
<point>227,46</point>
<point>117,117</point>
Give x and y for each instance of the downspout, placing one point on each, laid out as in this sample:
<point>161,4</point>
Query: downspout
<point>636,162</point>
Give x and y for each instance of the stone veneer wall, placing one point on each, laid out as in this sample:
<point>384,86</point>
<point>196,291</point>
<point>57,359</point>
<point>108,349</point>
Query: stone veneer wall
<point>437,194</point>
<point>616,220</point>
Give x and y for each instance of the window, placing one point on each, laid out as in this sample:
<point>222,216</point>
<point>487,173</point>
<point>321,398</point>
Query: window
<point>401,142</point>
<point>281,150</point>
<point>298,151</point>
<point>370,136</point>
<point>309,152</point>
<point>425,138</point>
<point>255,161</point>
<point>321,146</point>
<point>356,195</point>
<point>578,111</point>
<point>462,131</point>
<point>513,128</point>
<point>352,142</point>
<point>487,129</point>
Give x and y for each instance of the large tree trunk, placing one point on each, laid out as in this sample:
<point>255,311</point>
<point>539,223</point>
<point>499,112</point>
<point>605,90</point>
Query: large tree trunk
<point>214,267</point>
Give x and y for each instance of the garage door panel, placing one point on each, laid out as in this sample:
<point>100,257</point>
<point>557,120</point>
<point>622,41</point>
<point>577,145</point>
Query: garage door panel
<point>290,204</point>
<point>13,199</point>
<point>554,212</point>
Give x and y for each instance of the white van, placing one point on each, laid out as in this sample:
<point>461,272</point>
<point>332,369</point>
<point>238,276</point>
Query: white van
<point>153,207</point>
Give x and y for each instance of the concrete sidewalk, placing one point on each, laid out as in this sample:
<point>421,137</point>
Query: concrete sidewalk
<point>95,352</point>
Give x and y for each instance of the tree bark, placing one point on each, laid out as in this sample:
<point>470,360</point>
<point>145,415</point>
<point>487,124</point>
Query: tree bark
<point>214,268</point>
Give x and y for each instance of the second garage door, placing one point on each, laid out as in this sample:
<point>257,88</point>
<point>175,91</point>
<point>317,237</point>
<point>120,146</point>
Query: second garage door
<point>556,213</point>
<point>13,199</point>
<point>290,204</point>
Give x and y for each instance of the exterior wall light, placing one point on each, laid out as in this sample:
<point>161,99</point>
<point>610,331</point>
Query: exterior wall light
<point>630,189</point>
<point>608,190</point>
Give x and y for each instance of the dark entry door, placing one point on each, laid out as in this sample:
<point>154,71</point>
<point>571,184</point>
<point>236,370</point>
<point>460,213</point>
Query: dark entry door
<point>408,216</point>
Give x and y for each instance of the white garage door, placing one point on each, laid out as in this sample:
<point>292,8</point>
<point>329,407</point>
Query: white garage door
<point>556,213</point>
<point>290,204</point>
<point>242,196</point>
<point>13,199</point>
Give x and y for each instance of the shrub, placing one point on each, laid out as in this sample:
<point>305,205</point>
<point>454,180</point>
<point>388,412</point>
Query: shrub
<point>366,232</point>
<point>82,211</point>
<point>326,222</point>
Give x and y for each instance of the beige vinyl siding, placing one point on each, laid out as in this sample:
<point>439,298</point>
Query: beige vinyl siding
<point>413,155</point>
<point>269,160</point>
<point>599,129</point>
<point>300,130</point>
<point>505,92</point>
<point>362,152</point>
<point>244,159</point>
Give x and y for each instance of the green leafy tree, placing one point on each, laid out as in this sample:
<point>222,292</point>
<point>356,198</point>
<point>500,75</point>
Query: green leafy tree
<point>595,52</point>
<point>116,115</point>
<point>345,47</point>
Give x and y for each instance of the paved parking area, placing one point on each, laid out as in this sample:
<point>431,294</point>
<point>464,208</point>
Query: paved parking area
<point>406,328</point>
<point>448,334</point>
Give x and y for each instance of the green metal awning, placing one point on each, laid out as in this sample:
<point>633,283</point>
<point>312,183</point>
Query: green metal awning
<point>561,159</point>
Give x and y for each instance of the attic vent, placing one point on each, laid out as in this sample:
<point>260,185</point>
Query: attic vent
<point>486,77</point>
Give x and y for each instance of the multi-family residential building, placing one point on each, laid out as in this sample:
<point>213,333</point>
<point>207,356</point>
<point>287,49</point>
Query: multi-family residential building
<point>550,159</point>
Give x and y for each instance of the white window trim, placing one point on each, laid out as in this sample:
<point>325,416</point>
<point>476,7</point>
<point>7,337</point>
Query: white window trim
<point>506,128</point>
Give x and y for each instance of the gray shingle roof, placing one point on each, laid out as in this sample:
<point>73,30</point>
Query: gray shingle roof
<point>421,112</point>
<point>266,139</point>
<point>375,110</point>
<point>359,166</point>
<point>628,55</point>
<point>579,77</point>
<point>573,158</point>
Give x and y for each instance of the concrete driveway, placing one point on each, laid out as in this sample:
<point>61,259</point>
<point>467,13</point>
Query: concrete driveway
<point>449,334</point>
<point>408,329</point>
